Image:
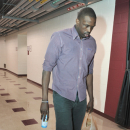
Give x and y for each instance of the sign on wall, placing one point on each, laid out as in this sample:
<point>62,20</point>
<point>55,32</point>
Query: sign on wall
<point>29,49</point>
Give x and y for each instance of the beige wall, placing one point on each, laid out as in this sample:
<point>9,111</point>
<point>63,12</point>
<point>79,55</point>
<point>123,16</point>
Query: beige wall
<point>39,36</point>
<point>15,60</point>
<point>12,56</point>
<point>2,52</point>
<point>22,54</point>
<point>103,34</point>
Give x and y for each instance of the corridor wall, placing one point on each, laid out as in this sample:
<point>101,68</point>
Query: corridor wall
<point>22,54</point>
<point>2,52</point>
<point>11,53</point>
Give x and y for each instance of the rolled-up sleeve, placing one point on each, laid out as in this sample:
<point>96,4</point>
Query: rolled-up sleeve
<point>52,53</point>
<point>90,67</point>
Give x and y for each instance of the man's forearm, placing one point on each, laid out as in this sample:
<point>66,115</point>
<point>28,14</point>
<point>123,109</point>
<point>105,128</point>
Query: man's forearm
<point>45,84</point>
<point>90,92</point>
<point>90,86</point>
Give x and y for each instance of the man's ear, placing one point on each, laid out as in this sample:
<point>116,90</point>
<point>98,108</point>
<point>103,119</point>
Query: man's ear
<point>77,21</point>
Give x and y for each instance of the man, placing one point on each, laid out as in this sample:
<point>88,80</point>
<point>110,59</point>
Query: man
<point>70,56</point>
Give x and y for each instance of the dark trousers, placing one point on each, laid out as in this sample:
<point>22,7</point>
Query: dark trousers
<point>69,114</point>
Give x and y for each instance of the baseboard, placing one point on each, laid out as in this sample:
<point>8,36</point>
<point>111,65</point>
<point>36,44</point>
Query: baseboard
<point>37,84</point>
<point>17,75</point>
<point>2,69</point>
<point>34,83</point>
<point>104,115</point>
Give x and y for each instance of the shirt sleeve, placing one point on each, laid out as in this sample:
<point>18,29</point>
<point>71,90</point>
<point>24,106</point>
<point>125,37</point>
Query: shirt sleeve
<point>90,67</point>
<point>52,53</point>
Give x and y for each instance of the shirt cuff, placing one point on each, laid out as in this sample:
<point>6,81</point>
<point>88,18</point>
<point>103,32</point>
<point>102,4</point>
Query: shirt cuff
<point>47,69</point>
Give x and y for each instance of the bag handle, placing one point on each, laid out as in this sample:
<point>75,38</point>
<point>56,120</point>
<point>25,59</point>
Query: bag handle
<point>87,118</point>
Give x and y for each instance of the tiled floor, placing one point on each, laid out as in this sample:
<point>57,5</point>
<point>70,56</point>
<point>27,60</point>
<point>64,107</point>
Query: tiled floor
<point>20,106</point>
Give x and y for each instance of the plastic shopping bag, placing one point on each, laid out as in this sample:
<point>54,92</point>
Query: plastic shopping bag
<point>89,123</point>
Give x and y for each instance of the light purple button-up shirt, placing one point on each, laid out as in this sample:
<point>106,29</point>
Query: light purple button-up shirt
<point>70,59</point>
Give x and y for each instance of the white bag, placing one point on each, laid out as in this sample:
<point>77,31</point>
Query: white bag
<point>89,123</point>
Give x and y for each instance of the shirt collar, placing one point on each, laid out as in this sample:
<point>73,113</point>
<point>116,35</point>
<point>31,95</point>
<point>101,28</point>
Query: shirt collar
<point>76,35</point>
<point>74,32</point>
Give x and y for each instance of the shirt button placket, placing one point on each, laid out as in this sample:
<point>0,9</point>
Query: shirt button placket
<point>80,61</point>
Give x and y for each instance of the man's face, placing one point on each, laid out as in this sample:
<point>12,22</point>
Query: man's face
<point>85,25</point>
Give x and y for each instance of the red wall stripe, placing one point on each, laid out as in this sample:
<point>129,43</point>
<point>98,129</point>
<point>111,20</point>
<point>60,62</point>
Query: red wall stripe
<point>118,57</point>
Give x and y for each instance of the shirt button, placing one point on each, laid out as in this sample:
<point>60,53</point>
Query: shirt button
<point>79,67</point>
<point>81,49</point>
<point>79,77</point>
<point>80,58</point>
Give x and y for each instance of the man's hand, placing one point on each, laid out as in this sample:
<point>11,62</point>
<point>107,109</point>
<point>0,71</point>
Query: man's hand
<point>44,110</point>
<point>90,106</point>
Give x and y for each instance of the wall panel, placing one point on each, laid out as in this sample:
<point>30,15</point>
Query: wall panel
<point>11,53</point>
<point>2,52</point>
<point>118,57</point>
<point>22,54</point>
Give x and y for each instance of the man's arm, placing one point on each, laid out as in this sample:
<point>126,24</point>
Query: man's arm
<point>51,57</point>
<point>45,83</point>
<point>90,93</point>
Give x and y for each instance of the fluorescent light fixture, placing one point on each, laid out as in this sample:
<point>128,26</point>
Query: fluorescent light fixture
<point>55,1</point>
<point>93,1</point>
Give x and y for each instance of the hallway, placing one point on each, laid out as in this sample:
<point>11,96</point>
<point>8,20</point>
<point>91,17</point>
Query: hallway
<point>20,106</point>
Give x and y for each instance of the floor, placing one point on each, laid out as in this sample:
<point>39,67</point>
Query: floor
<point>20,106</point>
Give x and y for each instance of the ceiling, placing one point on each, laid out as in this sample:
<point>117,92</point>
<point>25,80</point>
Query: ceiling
<point>16,15</point>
